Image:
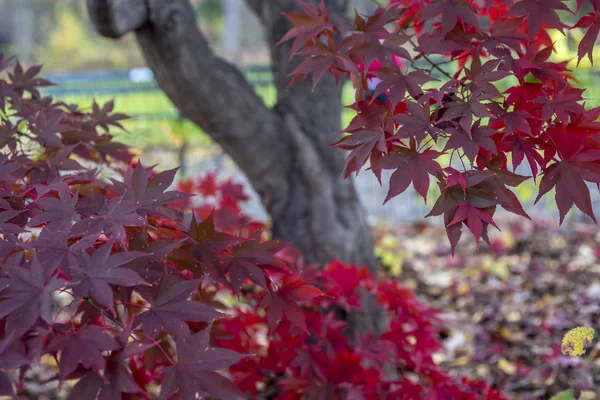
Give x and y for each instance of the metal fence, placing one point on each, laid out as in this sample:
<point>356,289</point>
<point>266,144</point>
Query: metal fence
<point>131,86</point>
<point>127,84</point>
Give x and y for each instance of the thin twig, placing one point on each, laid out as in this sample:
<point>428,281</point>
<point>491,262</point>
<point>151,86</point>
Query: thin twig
<point>433,64</point>
<point>120,324</point>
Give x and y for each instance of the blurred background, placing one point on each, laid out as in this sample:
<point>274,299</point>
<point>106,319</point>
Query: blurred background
<point>506,311</point>
<point>87,66</point>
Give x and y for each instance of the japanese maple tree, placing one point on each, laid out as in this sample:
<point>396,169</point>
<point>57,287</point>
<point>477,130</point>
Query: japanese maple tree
<point>115,286</point>
<point>112,285</point>
<point>508,99</point>
<point>100,271</point>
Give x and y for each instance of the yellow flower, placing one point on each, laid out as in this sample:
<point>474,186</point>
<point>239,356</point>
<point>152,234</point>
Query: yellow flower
<point>573,342</point>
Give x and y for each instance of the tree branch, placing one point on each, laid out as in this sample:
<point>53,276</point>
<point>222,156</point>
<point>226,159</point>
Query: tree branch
<point>284,151</point>
<point>432,63</point>
<point>115,18</point>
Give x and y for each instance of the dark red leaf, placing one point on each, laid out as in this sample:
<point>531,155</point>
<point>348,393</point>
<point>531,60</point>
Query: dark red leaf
<point>411,167</point>
<point>193,374</point>
<point>170,308</point>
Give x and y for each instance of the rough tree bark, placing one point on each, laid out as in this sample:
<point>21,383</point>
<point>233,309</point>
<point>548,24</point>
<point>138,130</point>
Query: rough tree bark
<point>283,150</point>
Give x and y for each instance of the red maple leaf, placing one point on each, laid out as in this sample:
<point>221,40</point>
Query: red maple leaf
<point>207,185</point>
<point>170,308</point>
<point>85,347</point>
<point>411,167</point>
<point>481,136</point>
<point>505,31</point>
<point>397,83</point>
<point>539,12</point>
<point>233,190</point>
<point>95,274</point>
<point>569,178</point>
<point>416,122</point>
<point>26,294</point>
<point>586,46</point>
<point>252,260</point>
<point>104,117</point>
<point>194,374</point>
<point>361,144</point>
<point>563,104</point>
<point>307,26</point>
<point>452,11</point>
<point>284,300</point>
<point>474,218</point>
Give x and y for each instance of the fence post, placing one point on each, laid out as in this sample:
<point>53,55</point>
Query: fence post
<point>182,154</point>
<point>232,12</point>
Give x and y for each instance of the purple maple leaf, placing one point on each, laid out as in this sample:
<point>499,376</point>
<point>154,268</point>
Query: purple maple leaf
<point>170,308</point>
<point>26,294</point>
<point>194,372</point>
<point>95,274</point>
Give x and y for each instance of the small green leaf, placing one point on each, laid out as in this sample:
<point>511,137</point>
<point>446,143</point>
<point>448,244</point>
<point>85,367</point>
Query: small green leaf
<point>566,395</point>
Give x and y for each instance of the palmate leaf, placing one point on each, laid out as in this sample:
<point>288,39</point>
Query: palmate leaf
<point>116,379</point>
<point>94,275</point>
<point>481,136</point>
<point>83,347</point>
<point>26,294</point>
<point>210,245</point>
<point>474,218</point>
<point>27,80</point>
<point>59,212</point>
<point>54,248</point>
<point>522,147</point>
<point>505,32</point>
<point>397,83</point>
<point>410,167</point>
<point>569,178</point>
<point>104,116</point>
<point>307,26</point>
<point>108,217</point>
<point>564,104</point>
<point>484,191</point>
<point>416,122</point>
<point>151,266</point>
<point>254,260</point>
<point>452,11</point>
<point>319,59</point>
<point>586,47</point>
<point>170,308</point>
<point>539,12</point>
<point>284,301</point>
<point>193,374</point>
<point>146,192</point>
<point>361,144</point>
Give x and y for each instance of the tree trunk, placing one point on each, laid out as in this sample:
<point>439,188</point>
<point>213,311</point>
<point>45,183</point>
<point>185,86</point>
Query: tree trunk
<point>283,151</point>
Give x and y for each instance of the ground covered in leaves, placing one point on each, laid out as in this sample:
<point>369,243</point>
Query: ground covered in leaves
<point>507,312</point>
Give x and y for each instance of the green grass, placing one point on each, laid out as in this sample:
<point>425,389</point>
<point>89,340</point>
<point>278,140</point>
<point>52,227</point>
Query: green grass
<point>156,122</point>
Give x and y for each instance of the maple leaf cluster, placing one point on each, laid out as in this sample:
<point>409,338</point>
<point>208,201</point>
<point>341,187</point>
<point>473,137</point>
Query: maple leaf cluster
<point>311,355</point>
<point>112,285</point>
<point>507,100</point>
<point>105,272</point>
<point>299,336</point>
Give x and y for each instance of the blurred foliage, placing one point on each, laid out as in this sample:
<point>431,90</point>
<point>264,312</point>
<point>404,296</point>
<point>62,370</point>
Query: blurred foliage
<point>149,134</point>
<point>507,310</point>
<point>566,395</point>
<point>73,45</point>
<point>209,10</point>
